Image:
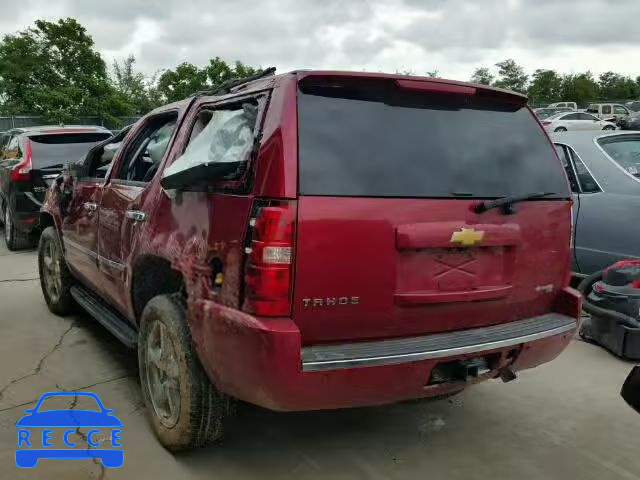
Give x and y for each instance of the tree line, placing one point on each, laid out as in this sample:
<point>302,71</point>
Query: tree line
<point>53,69</point>
<point>548,86</point>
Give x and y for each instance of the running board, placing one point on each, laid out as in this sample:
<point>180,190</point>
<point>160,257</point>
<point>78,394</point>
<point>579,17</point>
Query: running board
<point>107,316</point>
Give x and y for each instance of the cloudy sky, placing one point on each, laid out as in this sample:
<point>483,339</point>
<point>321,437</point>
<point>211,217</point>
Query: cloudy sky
<point>451,36</point>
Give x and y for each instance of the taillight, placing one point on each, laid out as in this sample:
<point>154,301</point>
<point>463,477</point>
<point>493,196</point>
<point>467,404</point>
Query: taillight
<point>268,268</point>
<point>22,171</point>
<point>546,124</point>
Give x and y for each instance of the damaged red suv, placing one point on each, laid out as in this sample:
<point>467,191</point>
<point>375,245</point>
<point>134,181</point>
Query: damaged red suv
<point>317,240</point>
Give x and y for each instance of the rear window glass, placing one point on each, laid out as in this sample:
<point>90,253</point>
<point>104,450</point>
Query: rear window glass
<point>382,142</point>
<point>51,150</point>
<point>625,151</point>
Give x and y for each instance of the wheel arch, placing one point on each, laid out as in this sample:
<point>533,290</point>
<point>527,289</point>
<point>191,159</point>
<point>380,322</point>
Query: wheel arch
<point>46,219</point>
<point>152,276</point>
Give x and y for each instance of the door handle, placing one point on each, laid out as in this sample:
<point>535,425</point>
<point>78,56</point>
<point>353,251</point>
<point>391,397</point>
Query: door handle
<point>90,206</point>
<point>136,215</point>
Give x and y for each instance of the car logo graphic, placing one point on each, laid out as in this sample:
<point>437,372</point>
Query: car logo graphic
<point>467,237</point>
<point>28,453</point>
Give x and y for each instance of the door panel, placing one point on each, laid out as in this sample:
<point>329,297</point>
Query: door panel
<point>117,235</point>
<point>79,229</point>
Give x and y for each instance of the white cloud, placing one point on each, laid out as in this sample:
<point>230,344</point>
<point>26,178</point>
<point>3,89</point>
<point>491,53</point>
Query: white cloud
<point>417,35</point>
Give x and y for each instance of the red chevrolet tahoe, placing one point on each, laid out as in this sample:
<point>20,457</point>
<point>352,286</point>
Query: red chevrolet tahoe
<point>317,240</point>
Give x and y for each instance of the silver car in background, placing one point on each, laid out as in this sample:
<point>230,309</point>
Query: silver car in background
<point>604,174</point>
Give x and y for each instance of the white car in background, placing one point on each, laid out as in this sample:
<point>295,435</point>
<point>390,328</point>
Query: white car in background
<point>562,122</point>
<point>572,105</point>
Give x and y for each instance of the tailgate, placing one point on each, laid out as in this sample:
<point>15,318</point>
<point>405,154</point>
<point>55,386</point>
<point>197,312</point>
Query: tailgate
<point>369,268</point>
<point>388,242</point>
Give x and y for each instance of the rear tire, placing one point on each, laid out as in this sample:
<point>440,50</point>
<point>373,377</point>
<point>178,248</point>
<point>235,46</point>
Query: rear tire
<point>560,129</point>
<point>55,278</point>
<point>14,238</point>
<point>185,409</point>
<point>609,128</point>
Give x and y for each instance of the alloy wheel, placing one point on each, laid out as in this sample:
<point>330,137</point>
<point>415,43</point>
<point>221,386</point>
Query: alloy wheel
<point>163,382</point>
<point>52,271</point>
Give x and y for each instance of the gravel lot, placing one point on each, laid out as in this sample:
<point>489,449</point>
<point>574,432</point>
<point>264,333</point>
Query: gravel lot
<point>564,420</point>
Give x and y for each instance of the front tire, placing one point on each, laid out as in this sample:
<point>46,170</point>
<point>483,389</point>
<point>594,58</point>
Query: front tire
<point>609,128</point>
<point>55,278</point>
<point>184,407</point>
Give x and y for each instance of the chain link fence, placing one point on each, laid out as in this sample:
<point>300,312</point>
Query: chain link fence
<point>18,121</point>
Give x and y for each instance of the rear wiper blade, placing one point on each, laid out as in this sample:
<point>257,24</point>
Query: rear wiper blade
<point>507,202</point>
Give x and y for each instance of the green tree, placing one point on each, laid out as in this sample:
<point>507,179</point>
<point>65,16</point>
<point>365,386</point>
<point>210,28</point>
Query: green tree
<point>511,76</point>
<point>483,76</point>
<point>182,82</point>
<point>545,87</point>
<point>614,86</point>
<point>52,69</point>
<point>580,88</point>
<point>188,79</point>
<point>141,93</point>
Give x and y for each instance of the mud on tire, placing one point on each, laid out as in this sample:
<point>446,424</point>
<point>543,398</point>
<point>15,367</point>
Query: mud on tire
<point>203,412</point>
<point>53,270</point>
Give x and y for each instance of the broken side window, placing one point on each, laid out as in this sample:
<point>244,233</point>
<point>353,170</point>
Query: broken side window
<point>219,151</point>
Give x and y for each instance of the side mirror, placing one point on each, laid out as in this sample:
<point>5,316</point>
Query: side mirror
<point>631,389</point>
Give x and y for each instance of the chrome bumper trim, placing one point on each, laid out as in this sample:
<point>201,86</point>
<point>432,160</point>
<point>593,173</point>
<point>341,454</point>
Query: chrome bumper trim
<point>439,345</point>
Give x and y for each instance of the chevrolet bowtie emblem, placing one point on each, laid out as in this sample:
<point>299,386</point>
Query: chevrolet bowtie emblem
<point>467,237</point>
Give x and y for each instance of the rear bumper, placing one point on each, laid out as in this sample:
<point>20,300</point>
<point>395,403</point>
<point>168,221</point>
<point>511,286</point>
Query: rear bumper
<point>26,210</point>
<point>429,347</point>
<point>263,362</point>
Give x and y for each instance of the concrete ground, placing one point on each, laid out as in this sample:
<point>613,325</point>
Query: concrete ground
<point>564,420</point>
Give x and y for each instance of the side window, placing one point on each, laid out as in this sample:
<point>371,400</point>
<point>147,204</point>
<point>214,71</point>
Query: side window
<point>586,116</point>
<point>102,158</point>
<point>562,153</point>
<point>572,116</point>
<point>145,153</point>
<point>620,110</point>
<point>4,139</point>
<point>587,183</point>
<point>606,109</point>
<point>12,150</point>
<point>223,137</point>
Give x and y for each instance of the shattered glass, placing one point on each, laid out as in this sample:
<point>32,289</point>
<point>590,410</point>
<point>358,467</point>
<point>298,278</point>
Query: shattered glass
<point>227,138</point>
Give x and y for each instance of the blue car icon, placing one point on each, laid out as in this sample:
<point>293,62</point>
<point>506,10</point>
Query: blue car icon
<point>72,419</point>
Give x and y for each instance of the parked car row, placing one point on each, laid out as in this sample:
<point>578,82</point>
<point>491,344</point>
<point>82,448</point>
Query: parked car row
<point>623,116</point>
<point>230,238</point>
